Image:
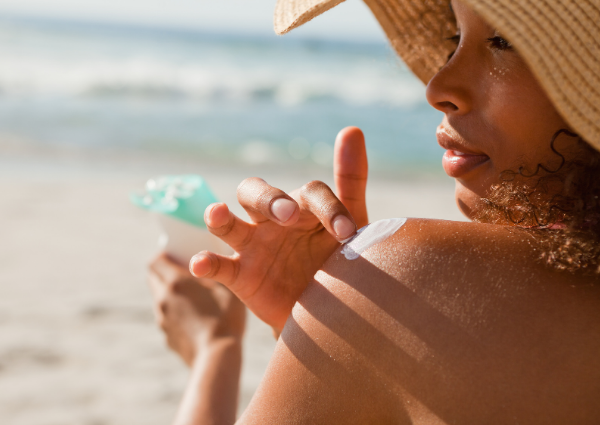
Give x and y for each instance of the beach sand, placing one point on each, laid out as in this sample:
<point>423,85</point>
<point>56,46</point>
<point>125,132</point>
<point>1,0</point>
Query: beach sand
<point>78,339</point>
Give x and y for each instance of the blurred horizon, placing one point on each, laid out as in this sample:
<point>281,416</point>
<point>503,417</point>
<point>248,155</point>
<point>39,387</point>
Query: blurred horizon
<point>220,97</point>
<point>220,94</point>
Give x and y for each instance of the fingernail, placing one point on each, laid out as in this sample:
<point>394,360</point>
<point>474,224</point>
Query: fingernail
<point>210,208</point>
<point>194,261</point>
<point>283,209</point>
<point>208,216</point>
<point>343,227</point>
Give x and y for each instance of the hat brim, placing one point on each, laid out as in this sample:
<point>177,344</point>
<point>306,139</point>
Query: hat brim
<point>560,45</point>
<point>292,14</point>
<point>417,29</point>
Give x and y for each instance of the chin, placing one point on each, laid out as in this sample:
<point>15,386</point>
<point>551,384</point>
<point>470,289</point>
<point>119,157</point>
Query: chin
<point>468,201</point>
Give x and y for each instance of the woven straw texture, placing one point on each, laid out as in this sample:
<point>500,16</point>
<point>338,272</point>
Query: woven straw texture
<point>559,40</point>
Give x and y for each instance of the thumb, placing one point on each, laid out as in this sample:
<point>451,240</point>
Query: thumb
<point>350,171</point>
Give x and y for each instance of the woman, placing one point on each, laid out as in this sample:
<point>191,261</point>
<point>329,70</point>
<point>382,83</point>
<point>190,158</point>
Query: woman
<point>492,321</point>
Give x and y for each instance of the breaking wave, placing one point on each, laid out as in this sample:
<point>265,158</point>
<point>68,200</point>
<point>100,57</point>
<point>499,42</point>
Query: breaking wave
<point>152,78</point>
<point>88,64</point>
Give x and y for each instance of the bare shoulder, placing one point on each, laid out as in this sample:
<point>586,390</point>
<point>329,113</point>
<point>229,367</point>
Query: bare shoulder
<point>466,325</point>
<point>443,322</point>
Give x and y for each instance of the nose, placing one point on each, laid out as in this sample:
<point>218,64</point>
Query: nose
<point>449,91</point>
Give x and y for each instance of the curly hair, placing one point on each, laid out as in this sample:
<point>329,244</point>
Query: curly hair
<point>561,206</point>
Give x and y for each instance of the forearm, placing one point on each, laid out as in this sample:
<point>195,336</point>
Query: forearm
<point>212,392</point>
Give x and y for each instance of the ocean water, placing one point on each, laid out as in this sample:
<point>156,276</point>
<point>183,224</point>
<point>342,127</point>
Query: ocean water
<point>218,97</point>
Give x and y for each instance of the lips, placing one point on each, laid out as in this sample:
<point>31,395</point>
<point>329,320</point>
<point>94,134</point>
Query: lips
<point>458,159</point>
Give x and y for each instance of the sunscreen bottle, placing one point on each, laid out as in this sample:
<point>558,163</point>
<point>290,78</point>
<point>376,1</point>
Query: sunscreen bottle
<point>179,202</point>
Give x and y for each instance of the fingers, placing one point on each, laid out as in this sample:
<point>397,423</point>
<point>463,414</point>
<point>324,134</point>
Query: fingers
<point>224,224</point>
<point>163,274</point>
<point>264,202</point>
<point>350,171</point>
<point>317,198</point>
<point>221,268</point>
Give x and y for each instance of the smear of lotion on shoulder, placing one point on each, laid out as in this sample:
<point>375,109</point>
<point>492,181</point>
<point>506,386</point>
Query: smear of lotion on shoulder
<point>370,235</point>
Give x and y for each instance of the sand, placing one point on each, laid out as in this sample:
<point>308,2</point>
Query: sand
<point>78,339</point>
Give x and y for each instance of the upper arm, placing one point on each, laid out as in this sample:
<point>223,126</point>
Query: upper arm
<point>317,374</point>
<point>322,370</point>
<point>344,353</point>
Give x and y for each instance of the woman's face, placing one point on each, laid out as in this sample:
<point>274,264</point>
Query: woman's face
<point>497,118</point>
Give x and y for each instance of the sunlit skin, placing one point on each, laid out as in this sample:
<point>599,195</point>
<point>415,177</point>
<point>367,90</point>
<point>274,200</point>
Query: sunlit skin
<point>495,111</point>
<point>444,322</point>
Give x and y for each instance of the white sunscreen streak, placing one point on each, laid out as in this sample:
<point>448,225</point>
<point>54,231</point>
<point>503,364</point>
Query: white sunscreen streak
<point>370,235</point>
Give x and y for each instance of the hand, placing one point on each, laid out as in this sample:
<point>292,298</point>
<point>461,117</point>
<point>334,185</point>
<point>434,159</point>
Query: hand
<point>290,236</point>
<point>192,312</point>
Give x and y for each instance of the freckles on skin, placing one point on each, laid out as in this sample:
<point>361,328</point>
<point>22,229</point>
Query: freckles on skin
<point>498,73</point>
<point>522,118</point>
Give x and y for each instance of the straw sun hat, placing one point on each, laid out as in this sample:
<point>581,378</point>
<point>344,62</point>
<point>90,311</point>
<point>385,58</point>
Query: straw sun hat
<point>559,39</point>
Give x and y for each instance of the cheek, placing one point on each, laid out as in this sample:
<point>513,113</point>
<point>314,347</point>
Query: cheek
<point>522,117</point>
<point>510,110</point>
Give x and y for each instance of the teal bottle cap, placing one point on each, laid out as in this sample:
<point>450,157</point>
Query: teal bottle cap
<point>183,197</point>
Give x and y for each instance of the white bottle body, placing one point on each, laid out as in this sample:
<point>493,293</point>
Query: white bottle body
<point>181,241</point>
